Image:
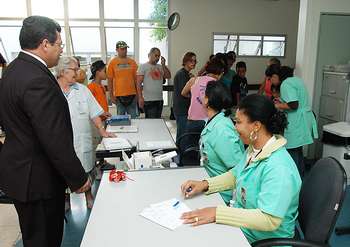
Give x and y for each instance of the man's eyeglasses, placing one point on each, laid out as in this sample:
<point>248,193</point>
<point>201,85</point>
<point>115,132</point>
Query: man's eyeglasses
<point>61,45</point>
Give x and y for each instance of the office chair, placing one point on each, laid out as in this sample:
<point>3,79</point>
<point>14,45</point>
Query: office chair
<point>320,200</point>
<point>188,148</point>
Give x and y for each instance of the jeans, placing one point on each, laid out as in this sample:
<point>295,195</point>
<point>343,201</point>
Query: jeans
<point>130,109</point>
<point>153,109</point>
<point>298,157</point>
<point>181,122</point>
<point>193,126</point>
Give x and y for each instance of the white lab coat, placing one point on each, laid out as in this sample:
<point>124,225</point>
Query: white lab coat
<point>83,108</point>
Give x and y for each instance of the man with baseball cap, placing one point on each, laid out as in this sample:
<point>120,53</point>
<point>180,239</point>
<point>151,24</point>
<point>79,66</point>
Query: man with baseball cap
<point>121,74</point>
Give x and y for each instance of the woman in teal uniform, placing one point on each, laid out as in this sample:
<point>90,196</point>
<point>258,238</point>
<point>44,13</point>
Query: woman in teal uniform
<point>266,180</point>
<point>302,127</point>
<point>220,146</point>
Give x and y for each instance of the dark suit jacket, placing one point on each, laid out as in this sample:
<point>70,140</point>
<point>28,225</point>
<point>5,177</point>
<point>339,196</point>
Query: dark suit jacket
<point>37,160</point>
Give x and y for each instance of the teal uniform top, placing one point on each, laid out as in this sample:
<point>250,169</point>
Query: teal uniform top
<point>220,148</point>
<point>302,127</point>
<point>227,78</point>
<point>271,183</point>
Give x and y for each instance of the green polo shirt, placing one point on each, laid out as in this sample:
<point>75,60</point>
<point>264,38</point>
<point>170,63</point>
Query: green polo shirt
<point>302,127</point>
<point>221,148</point>
<point>271,184</point>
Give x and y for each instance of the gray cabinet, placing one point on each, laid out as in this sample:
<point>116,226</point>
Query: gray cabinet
<point>334,102</point>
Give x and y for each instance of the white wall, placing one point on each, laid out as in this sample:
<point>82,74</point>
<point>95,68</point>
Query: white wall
<point>200,18</point>
<point>307,44</point>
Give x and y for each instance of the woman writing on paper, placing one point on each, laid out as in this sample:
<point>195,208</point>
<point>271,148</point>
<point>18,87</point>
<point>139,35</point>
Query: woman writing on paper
<point>266,180</point>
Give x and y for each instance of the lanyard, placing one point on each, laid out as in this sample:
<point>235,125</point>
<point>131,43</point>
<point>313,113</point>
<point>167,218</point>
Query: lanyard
<point>250,159</point>
<point>212,118</point>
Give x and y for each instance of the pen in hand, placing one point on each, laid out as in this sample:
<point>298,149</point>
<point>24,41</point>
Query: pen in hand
<point>176,203</point>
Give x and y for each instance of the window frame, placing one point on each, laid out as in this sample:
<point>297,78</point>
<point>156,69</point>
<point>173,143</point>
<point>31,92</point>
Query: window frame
<point>261,48</point>
<point>102,27</point>
<point>104,53</point>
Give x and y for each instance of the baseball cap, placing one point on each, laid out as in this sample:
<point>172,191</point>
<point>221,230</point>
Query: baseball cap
<point>122,44</point>
<point>95,66</point>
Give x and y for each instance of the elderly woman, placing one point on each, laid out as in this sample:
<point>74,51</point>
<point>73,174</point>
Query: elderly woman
<point>266,180</point>
<point>83,109</point>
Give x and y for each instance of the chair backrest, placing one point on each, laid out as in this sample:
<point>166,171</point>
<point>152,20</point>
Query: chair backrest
<point>321,198</point>
<point>188,147</point>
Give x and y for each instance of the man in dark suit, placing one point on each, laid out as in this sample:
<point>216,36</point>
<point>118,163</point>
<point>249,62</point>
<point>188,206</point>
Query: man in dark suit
<point>37,161</point>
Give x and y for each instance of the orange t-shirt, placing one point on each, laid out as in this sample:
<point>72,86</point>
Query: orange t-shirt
<point>123,72</point>
<point>99,93</point>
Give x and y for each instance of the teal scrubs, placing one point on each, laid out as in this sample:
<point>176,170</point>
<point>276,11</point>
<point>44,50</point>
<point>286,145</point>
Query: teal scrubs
<point>221,148</point>
<point>227,78</point>
<point>302,127</point>
<point>271,185</point>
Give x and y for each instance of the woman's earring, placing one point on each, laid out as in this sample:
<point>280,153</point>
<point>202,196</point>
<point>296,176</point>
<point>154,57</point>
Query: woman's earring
<point>253,135</point>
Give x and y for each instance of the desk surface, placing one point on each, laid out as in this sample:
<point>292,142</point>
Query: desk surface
<point>115,220</point>
<point>152,134</point>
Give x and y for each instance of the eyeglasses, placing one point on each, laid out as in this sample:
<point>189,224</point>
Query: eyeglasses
<point>61,45</point>
<point>193,61</point>
<point>74,69</point>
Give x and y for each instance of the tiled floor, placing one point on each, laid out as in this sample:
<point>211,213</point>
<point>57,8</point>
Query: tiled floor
<point>9,227</point>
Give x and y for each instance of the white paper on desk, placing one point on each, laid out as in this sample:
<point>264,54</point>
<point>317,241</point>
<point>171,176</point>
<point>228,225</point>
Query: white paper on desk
<point>165,214</point>
<point>122,129</point>
<point>158,144</point>
<point>116,143</point>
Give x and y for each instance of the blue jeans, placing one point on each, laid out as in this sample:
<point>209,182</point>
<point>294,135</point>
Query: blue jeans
<point>181,122</point>
<point>193,126</point>
<point>130,109</point>
<point>153,109</point>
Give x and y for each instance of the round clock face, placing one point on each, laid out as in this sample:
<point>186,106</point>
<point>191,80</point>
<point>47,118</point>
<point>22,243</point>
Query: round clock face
<point>173,21</point>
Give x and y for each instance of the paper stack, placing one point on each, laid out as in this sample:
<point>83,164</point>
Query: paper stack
<point>122,129</point>
<point>166,213</point>
<point>116,143</point>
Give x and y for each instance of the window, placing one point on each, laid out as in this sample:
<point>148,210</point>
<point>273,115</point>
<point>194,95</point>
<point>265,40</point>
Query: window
<point>40,7</point>
<point>152,37</point>
<point>274,45</point>
<point>86,43</point>
<point>9,44</point>
<point>141,23</point>
<point>83,9</point>
<point>13,8</point>
<point>92,30</point>
<point>250,45</point>
<point>114,34</point>
<point>119,9</point>
<point>153,10</point>
<point>225,43</point>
